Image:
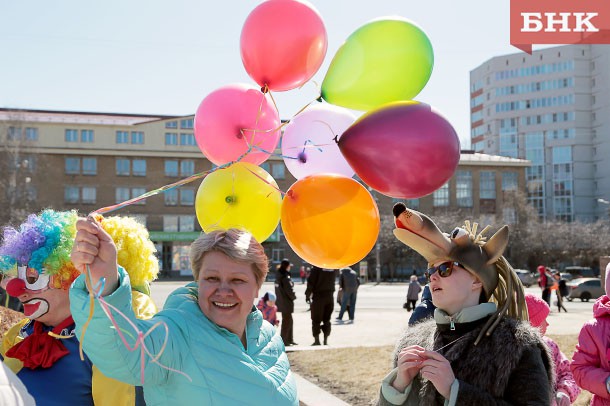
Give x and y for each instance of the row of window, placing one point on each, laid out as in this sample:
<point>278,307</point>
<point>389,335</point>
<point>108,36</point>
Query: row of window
<point>22,134</point>
<point>548,118</point>
<point>535,103</point>
<point>552,84</point>
<point>128,167</point>
<point>72,135</point>
<point>88,195</point>
<point>543,69</point>
<point>185,139</point>
<point>126,137</point>
<point>186,123</point>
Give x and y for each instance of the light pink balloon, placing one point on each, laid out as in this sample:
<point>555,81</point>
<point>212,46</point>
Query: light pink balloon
<point>225,122</point>
<point>308,143</point>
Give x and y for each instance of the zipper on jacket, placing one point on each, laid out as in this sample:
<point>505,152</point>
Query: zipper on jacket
<point>452,323</point>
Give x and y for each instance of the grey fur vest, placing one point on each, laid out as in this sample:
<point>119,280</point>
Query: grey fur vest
<point>487,367</point>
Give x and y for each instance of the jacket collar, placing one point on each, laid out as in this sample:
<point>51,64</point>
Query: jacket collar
<point>466,315</point>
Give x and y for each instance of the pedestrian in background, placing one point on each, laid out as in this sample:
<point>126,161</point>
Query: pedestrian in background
<point>349,283</point>
<point>566,389</point>
<point>267,306</point>
<point>425,309</point>
<point>319,295</point>
<point>546,282</point>
<point>560,291</point>
<point>302,273</point>
<point>284,291</point>
<point>413,293</point>
<point>590,362</point>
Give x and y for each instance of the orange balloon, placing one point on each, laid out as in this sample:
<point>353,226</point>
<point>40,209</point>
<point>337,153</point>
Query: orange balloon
<point>330,221</point>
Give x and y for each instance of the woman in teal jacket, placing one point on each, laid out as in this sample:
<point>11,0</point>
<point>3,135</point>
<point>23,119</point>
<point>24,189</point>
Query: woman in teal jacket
<point>218,349</point>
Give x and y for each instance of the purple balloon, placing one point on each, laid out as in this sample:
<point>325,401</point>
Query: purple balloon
<point>403,149</point>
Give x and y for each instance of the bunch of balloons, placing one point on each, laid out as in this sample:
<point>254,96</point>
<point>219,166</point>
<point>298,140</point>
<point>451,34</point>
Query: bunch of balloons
<point>400,147</point>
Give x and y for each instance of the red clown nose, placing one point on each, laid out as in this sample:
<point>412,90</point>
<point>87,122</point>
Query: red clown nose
<point>15,287</point>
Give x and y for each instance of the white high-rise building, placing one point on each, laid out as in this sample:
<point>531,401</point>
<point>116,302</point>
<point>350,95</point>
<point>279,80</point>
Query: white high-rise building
<point>552,108</point>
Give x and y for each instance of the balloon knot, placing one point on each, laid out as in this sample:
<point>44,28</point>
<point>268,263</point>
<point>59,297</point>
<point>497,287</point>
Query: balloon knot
<point>302,157</point>
<point>231,199</point>
<point>265,89</point>
<point>319,99</point>
<point>336,138</point>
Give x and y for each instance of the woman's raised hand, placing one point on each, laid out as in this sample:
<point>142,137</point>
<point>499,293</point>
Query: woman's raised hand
<point>93,246</point>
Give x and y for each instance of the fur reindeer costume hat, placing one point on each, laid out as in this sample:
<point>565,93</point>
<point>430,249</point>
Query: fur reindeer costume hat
<point>479,256</point>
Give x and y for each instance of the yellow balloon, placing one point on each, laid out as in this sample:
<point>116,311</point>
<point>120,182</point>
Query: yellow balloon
<point>330,221</point>
<point>242,196</point>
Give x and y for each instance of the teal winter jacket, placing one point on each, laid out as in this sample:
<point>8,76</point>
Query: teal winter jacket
<point>221,370</point>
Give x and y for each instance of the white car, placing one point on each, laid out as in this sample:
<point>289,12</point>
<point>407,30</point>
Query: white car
<point>527,278</point>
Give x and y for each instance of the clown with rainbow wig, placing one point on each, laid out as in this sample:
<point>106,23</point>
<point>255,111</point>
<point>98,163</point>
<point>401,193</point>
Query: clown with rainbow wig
<point>43,349</point>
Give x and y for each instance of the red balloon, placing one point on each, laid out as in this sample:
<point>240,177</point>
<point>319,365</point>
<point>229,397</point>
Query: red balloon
<point>283,43</point>
<point>403,149</point>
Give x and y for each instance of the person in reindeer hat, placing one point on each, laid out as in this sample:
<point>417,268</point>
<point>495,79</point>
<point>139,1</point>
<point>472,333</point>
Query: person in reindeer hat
<point>479,349</point>
<point>43,349</point>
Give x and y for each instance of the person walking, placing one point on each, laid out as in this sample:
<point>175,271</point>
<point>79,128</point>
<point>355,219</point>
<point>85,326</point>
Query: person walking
<point>284,291</point>
<point>591,361</point>
<point>413,293</point>
<point>425,309</point>
<point>566,389</point>
<point>319,295</point>
<point>546,282</point>
<point>267,306</point>
<point>349,283</point>
<point>559,290</point>
<point>302,274</point>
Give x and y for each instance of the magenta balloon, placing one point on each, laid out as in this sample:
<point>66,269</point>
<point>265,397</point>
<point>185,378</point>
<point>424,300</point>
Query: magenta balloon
<point>225,122</point>
<point>308,144</point>
<point>283,43</point>
<point>403,150</point>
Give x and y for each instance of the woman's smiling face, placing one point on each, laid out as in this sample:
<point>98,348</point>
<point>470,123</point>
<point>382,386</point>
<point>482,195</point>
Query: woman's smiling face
<point>227,290</point>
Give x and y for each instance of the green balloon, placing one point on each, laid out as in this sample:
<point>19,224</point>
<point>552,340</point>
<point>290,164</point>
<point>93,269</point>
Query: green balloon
<point>383,61</point>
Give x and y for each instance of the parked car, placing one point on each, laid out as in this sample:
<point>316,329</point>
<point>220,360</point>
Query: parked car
<point>585,289</point>
<point>566,276</point>
<point>527,278</point>
<point>580,271</point>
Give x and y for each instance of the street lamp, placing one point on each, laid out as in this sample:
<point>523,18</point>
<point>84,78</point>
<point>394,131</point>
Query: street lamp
<point>378,244</point>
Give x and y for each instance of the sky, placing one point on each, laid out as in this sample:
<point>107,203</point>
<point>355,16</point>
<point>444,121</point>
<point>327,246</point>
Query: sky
<point>164,57</point>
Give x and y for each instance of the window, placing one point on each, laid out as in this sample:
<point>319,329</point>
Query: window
<point>441,196</point>
<point>187,167</point>
<point>509,181</point>
<point>31,134</point>
<point>71,135</point>
<point>171,139</point>
<point>487,185</point>
<point>170,224</point>
<point>187,139</point>
<point>266,167</point>
<point>171,168</point>
<point>187,223</point>
<point>562,155</point>
<point>89,166</point>
<point>136,192</point>
<point>14,133</point>
<point>89,194</point>
<point>171,197</point>
<point>122,167</point>
<point>138,167</point>
<point>186,124</point>
<point>463,188</point>
<point>71,194</point>
<point>137,137</point>
<point>277,254</point>
<point>187,197</point>
<point>278,171</point>
<point>72,166</point>
<point>122,137</point>
<point>86,135</point>
<point>121,194</point>
<point>171,124</point>
<point>509,215</point>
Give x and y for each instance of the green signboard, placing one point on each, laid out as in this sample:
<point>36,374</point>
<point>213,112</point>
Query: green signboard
<point>170,236</point>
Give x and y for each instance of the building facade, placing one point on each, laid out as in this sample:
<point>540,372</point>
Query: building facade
<point>553,109</point>
<point>87,161</point>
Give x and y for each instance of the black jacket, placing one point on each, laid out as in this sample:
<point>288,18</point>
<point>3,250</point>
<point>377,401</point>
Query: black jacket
<point>320,283</point>
<point>284,291</point>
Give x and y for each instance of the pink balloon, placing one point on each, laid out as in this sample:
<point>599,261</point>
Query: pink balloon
<point>308,143</point>
<point>283,43</point>
<point>225,122</point>
<point>403,149</point>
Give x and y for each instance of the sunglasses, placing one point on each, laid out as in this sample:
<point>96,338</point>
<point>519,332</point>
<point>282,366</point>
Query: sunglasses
<point>444,269</point>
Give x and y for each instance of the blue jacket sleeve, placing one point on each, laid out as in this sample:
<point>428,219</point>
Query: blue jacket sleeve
<point>105,347</point>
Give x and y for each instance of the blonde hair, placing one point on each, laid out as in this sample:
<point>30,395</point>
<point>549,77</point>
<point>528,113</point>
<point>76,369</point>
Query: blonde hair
<point>237,244</point>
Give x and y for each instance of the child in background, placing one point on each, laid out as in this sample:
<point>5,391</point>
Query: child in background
<point>566,389</point>
<point>590,363</point>
<point>267,306</point>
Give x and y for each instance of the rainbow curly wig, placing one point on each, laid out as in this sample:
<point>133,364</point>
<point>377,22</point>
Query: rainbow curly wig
<point>44,242</point>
